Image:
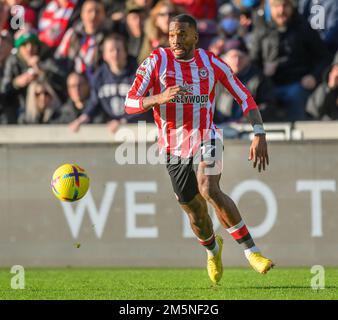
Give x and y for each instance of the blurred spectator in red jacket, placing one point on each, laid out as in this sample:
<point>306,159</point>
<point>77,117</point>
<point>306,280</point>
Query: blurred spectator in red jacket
<point>80,46</point>
<point>55,19</point>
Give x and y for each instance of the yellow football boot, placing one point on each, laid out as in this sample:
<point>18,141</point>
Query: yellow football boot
<point>260,263</point>
<point>215,266</point>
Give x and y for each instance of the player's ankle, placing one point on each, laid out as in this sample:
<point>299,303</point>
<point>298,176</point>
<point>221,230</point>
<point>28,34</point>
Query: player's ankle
<point>248,251</point>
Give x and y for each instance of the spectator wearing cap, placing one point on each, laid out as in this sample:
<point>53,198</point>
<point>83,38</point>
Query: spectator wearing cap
<point>111,85</point>
<point>157,28</point>
<point>55,19</point>
<point>5,50</point>
<point>22,68</point>
<point>80,46</point>
<point>329,28</point>
<point>323,103</point>
<point>292,54</point>
<point>237,57</point>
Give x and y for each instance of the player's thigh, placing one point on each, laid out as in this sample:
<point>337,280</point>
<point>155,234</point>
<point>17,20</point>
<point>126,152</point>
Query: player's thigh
<point>183,178</point>
<point>207,183</point>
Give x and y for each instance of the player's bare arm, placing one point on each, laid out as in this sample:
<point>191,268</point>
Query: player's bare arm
<point>258,149</point>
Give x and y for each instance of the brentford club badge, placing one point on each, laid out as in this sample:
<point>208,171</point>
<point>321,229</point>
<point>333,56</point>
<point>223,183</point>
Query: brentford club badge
<point>203,73</point>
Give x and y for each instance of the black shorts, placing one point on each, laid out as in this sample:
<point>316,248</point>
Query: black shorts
<point>183,171</point>
<point>183,178</point>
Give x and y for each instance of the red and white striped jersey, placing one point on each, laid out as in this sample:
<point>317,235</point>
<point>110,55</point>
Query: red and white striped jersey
<point>54,22</point>
<point>187,120</point>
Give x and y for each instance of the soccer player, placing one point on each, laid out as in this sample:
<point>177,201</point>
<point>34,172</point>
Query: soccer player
<point>181,84</point>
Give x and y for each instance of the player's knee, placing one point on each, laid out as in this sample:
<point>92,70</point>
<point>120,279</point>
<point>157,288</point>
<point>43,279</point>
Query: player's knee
<point>208,190</point>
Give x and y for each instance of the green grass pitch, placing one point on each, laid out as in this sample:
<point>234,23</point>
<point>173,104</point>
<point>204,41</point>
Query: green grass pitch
<point>142,283</point>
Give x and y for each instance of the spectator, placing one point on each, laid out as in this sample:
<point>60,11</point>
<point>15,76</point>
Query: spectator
<point>80,46</point>
<point>78,92</point>
<point>246,20</point>
<point>200,9</point>
<point>145,4</point>
<point>292,54</point>
<point>237,57</point>
<point>115,9</point>
<point>229,20</point>
<point>55,19</point>
<point>42,104</point>
<point>22,68</point>
<point>135,16</point>
<point>228,28</point>
<point>329,30</point>
<point>157,28</point>
<point>323,103</point>
<point>5,50</point>
<point>112,82</point>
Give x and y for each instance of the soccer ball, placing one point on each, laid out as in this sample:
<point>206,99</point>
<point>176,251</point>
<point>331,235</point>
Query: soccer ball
<point>70,182</point>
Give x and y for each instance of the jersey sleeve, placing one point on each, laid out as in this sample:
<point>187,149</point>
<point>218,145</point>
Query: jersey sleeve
<point>144,81</point>
<point>230,81</point>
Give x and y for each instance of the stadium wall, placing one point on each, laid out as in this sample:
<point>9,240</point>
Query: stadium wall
<point>130,217</point>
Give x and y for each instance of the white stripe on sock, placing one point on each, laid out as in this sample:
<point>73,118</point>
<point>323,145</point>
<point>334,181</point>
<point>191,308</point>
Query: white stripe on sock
<point>206,240</point>
<point>236,227</point>
<point>214,251</point>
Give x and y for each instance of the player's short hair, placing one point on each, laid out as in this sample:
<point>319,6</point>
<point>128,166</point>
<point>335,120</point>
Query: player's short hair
<point>185,18</point>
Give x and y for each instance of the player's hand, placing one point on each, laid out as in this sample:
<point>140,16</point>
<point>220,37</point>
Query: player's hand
<point>170,93</point>
<point>259,152</point>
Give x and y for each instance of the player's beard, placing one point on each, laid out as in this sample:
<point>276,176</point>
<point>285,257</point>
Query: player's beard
<point>183,53</point>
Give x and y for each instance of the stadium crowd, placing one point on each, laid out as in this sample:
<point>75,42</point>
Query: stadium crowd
<point>73,61</point>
